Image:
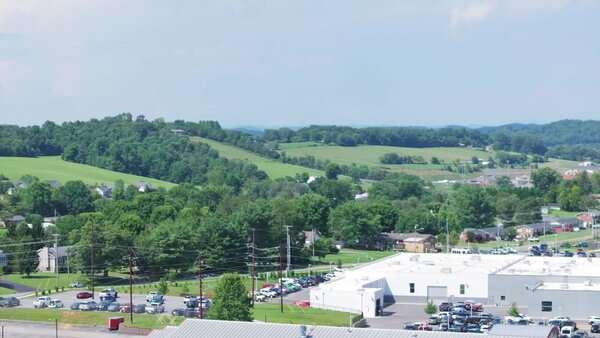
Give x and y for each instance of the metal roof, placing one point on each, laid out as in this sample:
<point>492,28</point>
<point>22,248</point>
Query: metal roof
<point>522,331</point>
<point>217,328</point>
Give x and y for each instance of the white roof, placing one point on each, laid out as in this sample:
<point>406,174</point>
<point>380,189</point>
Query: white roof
<point>570,286</point>
<point>430,264</point>
<point>555,266</point>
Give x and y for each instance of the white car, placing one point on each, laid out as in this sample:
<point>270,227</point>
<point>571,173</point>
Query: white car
<point>155,308</point>
<point>268,293</point>
<point>154,296</point>
<point>88,305</point>
<point>108,292</point>
<point>560,318</point>
<point>593,319</point>
<point>55,304</point>
<point>189,298</point>
<point>516,319</point>
<point>76,284</point>
<point>533,239</point>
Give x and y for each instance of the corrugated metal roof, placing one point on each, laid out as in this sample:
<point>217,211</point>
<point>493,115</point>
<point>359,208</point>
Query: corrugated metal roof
<point>216,328</point>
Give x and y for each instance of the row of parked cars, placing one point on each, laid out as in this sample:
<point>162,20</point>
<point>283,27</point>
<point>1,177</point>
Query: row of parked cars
<point>9,301</point>
<point>289,285</point>
<point>544,250</point>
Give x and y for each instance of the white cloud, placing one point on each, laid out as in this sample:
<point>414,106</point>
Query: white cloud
<point>475,12</point>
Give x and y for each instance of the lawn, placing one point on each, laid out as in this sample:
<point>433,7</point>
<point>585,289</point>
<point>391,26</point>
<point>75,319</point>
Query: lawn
<point>293,314</point>
<point>352,257</point>
<point>5,291</point>
<point>54,168</point>
<point>142,321</point>
<point>581,235</point>
<point>564,214</point>
<point>47,280</point>
<point>273,168</point>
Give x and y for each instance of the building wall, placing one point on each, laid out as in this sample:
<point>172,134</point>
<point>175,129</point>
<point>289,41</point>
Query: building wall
<point>576,304</point>
<point>513,287</point>
<point>399,285</point>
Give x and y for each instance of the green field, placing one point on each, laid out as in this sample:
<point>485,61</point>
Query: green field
<point>273,168</point>
<point>54,168</point>
<point>96,318</point>
<point>369,155</point>
<point>293,314</point>
<point>352,257</point>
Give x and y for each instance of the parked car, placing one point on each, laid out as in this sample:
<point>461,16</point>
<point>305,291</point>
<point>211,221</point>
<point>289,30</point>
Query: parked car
<point>155,308</point>
<point>567,331</point>
<point>445,306</point>
<point>113,307</point>
<point>108,298</point>
<point>103,305</point>
<point>9,301</point>
<point>267,292</point>
<point>76,284</point>
<point>595,328</point>
<point>88,305</point>
<point>189,298</point>
<point>75,306</point>
<point>580,334</point>
<point>154,296</point>
<point>178,312</point>
<point>55,304</point>
<point>108,292</point>
<point>516,319</point>
<point>593,319</point>
<point>560,318</point>
<point>84,295</point>
<point>473,328</point>
<point>139,308</point>
<point>125,308</point>
<point>42,302</point>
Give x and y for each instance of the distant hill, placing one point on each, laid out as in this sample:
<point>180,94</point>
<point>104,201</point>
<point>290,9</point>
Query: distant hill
<point>564,132</point>
<point>250,130</point>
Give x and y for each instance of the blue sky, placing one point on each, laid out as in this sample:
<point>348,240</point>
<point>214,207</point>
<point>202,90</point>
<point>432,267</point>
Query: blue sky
<point>295,63</point>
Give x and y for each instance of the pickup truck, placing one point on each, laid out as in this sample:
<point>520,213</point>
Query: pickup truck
<point>155,296</point>
<point>108,292</point>
<point>76,284</point>
<point>42,302</point>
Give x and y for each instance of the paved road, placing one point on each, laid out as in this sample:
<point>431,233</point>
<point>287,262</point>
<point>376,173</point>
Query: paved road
<point>18,288</point>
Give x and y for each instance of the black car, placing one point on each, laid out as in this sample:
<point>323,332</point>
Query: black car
<point>191,313</point>
<point>410,327</point>
<point>191,304</point>
<point>595,328</point>
<point>75,306</point>
<point>103,305</point>
<point>139,308</point>
<point>473,328</point>
<point>178,312</point>
<point>445,306</point>
<point>9,301</point>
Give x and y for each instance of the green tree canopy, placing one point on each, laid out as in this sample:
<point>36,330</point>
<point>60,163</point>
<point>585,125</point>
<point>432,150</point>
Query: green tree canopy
<point>231,301</point>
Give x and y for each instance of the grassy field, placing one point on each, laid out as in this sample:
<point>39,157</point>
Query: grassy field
<point>47,280</point>
<point>142,321</point>
<point>352,257</point>
<point>5,291</point>
<point>293,314</point>
<point>273,168</point>
<point>582,235</point>
<point>54,168</point>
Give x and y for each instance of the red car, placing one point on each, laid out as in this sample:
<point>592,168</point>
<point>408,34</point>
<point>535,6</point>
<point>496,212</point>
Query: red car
<point>125,307</point>
<point>84,295</point>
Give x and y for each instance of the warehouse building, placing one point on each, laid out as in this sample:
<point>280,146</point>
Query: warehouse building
<point>549,286</point>
<point>410,278</point>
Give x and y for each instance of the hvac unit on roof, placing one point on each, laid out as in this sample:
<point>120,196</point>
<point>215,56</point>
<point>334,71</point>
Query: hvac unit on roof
<point>527,262</point>
<point>476,258</point>
<point>568,271</point>
<point>446,269</point>
<point>414,258</point>
<point>564,286</point>
<point>587,282</point>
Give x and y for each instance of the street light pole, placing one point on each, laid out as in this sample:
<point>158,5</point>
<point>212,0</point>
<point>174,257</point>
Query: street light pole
<point>447,236</point>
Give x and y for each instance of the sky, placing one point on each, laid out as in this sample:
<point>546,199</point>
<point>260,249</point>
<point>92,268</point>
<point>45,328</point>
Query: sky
<point>297,63</point>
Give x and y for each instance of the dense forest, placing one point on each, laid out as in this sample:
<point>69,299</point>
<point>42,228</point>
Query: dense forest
<point>218,202</point>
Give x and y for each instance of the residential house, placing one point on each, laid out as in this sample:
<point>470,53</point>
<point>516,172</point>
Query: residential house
<point>566,224</point>
<point>533,230</point>
<point>178,132</point>
<point>411,242</point>
<point>310,237</point>
<point>47,258</point>
<point>589,218</point>
<point>523,181</point>
<point>487,180</point>
<point>586,164</point>
<point>104,191</point>
<point>143,186</point>
<point>3,259</point>
<point>16,219</point>
<point>549,207</point>
<point>49,222</point>
<point>482,235</point>
<point>569,174</point>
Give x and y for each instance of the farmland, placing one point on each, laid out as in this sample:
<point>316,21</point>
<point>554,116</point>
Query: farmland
<point>273,168</point>
<point>54,168</point>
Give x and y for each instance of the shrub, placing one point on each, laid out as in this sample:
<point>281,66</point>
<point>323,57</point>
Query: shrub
<point>43,292</point>
<point>430,308</point>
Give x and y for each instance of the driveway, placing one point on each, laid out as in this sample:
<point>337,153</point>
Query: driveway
<point>18,288</point>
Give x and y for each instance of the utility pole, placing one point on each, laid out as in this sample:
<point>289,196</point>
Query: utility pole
<point>200,285</point>
<point>56,257</point>
<point>314,240</point>
<point>93,254</point>
<point>447,236</point>
<point>252,271</point>
<point>281,276</point>
<point>289,255</point>
<point>130,288</point>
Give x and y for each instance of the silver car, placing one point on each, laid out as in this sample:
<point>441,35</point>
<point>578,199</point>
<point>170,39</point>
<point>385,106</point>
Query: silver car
<point>88,305</point>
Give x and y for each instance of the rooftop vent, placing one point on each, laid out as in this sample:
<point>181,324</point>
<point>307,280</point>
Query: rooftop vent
<point>446,269</point>
<point>564,286</point>
<point>587,282</point>
<point>414,258</point>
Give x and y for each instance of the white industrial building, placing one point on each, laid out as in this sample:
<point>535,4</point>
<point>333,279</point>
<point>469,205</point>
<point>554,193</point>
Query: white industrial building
<point>489,279</point>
